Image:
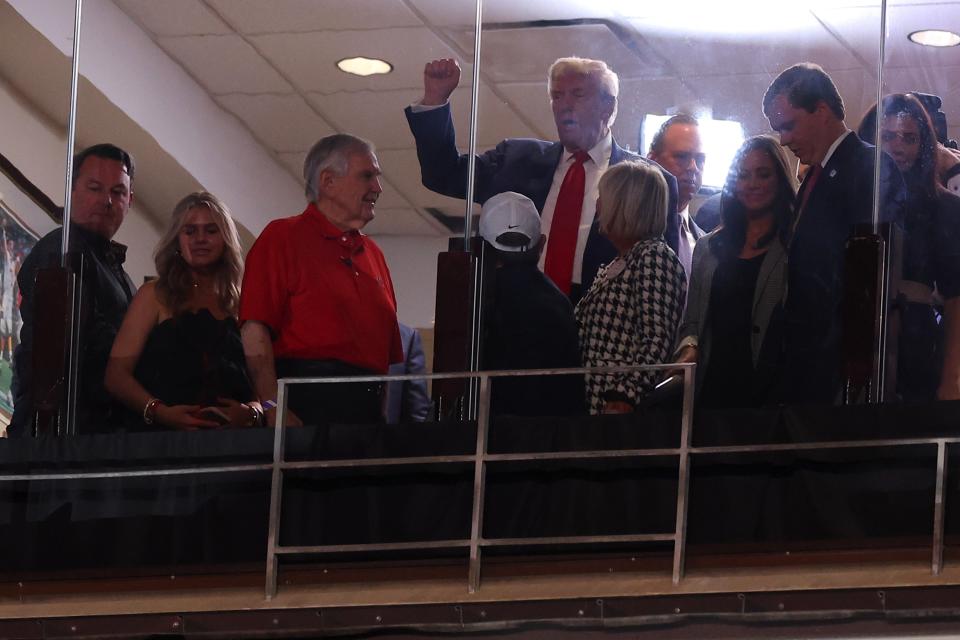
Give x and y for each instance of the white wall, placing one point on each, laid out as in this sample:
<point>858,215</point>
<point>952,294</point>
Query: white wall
<point>37,147</point>
<point>413,267</point>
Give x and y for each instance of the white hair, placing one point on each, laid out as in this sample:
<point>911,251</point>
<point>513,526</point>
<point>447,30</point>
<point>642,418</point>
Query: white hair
<point>606,78</point>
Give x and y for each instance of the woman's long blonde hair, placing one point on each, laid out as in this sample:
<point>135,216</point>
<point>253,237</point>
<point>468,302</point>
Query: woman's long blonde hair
<point>175,280</point>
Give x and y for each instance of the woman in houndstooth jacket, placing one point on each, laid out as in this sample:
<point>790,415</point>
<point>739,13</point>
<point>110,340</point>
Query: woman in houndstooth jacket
<point>630,314</point>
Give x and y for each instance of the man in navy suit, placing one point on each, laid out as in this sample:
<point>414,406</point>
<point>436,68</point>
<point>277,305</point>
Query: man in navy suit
<point>679,150</point>
<point>583,96</point>
<point>805,108</point>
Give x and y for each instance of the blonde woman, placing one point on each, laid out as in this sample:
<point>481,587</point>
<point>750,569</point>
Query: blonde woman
<point>178,361</point>
<point>630,314</point>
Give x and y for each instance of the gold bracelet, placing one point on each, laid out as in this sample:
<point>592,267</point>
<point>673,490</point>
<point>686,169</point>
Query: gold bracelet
<point>149,410</point>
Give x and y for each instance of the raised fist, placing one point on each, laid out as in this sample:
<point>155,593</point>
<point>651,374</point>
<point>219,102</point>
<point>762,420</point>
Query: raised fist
<point>440,78</point>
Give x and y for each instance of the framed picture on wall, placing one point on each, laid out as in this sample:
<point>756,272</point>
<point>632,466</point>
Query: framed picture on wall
<point>25,215</point>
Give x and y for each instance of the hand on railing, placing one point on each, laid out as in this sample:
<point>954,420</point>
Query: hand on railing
<point>687,354</point>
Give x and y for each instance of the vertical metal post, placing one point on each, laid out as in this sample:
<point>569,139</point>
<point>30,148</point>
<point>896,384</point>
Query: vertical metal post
<point>479,480</point>
<point>474,108</point>
<point>276,491</point>
<point>938,507</point>
<point>470,408</point>
<point>876,391</point>
<point>683,480</point>
<point>70,414</point>
<point>71,133</point>
<point>877,125</point>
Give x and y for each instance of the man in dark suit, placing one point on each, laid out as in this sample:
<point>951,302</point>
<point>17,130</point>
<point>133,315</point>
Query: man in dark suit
<point>407,400</point>
<point>583,96</point>
<point>805,108</point>
<point>679,150</point>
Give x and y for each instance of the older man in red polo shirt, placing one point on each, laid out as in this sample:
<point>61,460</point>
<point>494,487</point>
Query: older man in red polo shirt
<point>317,299</point>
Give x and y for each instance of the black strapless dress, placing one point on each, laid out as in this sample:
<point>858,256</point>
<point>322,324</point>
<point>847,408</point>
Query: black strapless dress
<point>192,358</point>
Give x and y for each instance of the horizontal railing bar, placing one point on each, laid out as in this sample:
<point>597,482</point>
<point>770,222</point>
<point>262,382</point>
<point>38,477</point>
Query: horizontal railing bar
<point>819,446</point>
<point>135,473</point>
<point>498,457</point>
<point>551,540</point>
<point>499,373</point>
<point>376,462</point>
<point>580,455</point>
<point>385,546</point>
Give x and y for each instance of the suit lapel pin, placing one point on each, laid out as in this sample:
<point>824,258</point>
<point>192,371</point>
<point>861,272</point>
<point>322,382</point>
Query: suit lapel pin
<point>833,172</point>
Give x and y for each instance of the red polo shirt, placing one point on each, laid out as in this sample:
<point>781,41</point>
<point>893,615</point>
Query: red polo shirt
<point>326,294</point>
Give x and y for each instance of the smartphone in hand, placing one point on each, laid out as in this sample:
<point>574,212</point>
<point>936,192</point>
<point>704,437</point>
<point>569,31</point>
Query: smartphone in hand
<point>214,414</point>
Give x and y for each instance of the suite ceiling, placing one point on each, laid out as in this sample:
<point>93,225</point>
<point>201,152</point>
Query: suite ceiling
<point>271,63</point>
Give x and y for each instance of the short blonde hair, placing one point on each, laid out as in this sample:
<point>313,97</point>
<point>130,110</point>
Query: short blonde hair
<point>607,80</point>
<point>633,202</point>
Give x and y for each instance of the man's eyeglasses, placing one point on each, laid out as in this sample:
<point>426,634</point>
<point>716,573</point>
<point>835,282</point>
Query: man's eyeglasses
<point>907,138</point>
<point>683,158</point>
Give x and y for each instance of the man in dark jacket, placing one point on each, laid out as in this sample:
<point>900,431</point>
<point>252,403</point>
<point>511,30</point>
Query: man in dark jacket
<point>531,323</point>
<point>101,195</point>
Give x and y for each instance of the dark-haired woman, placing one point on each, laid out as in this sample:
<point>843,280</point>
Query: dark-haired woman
<point>731,326</point>
<point>177,361</point>
<point>928,359</point>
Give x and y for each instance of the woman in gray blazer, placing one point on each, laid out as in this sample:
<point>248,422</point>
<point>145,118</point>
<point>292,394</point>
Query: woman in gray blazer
<point>731,326</point>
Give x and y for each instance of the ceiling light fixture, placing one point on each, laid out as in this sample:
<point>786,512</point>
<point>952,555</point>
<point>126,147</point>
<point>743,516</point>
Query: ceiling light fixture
<point>935,38</point>
<point>361,66</point>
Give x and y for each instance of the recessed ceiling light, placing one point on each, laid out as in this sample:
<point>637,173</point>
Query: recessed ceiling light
<point>935,38</point>
<point>361,66</point>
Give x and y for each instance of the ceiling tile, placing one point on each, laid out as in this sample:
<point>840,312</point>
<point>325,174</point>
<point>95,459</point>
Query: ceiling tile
<point>403,170</point>
<point>308,59</point>
<point>863,32</point>
<point>525,55</point>
<point>273,16</point>
<point>379,116</point>
<point>225,64</point>
<point>175,17</point>
<point>281,122</point>
<point>463,12</point>
<point>690,54</point>
<point>375,115</point>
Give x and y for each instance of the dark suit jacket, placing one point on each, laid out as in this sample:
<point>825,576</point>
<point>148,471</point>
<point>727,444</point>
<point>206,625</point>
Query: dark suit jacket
<point>407,400</point>
<point>106,292</point>
<point>841,198</point>
<point>523,165</point>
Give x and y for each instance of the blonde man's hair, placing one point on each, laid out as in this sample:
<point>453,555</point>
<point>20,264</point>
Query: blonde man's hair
<point>633,202</point>
<point>607,80</point>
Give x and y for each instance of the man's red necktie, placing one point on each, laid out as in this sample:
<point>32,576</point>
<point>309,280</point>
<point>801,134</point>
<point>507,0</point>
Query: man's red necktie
<point>565,227</point>
<point>809,184</point>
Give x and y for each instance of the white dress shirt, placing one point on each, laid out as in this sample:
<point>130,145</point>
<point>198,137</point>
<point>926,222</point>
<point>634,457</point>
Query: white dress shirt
<point>593,168</point>
<point>687,241</point>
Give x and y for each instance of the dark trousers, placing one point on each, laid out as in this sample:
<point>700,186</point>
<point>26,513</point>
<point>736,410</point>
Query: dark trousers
<point>331,402</point>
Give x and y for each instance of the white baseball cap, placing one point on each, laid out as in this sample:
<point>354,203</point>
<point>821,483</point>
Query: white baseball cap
<point>510,222</point>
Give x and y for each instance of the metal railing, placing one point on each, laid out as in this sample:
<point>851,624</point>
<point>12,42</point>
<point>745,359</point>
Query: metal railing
<point>480,458</point>
<point>477,542</point>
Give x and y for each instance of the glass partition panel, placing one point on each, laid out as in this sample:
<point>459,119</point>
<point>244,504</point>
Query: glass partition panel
<point>919,125</point>
<point>715,63</point>
<point>228,97</point>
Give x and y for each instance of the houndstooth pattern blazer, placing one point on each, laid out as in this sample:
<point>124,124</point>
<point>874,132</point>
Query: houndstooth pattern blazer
<point>630,316</point>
